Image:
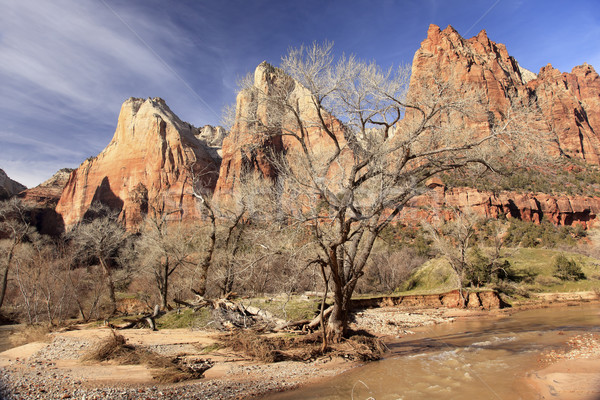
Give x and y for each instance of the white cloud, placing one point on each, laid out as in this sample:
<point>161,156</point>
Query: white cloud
<point>66,67</point>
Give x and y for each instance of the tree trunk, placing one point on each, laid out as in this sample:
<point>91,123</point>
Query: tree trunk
<point>165,288</point>
<point>111,287</point>
<point>337,325</point>
<point>201,285</point>
<point>4,283</point>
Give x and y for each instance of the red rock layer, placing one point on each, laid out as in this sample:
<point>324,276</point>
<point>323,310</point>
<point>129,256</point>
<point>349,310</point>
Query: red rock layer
<point>569,103</point>
<point>560,210</point>
<point>143,170</point>
<point>43,199</point>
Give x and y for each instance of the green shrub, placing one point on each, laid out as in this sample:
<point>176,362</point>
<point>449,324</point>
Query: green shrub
<point>567,269</point>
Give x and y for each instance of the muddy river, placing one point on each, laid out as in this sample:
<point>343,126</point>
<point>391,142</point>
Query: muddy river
<point>484,358</point>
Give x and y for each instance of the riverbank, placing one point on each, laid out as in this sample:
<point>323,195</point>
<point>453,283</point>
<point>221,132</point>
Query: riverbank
<point>572,373</point>
<point>54,370</point>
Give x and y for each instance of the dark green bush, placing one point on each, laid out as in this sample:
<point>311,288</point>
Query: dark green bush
<point>567,269</point>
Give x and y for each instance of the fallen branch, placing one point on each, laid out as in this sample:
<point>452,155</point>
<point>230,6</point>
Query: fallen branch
<point>148,319</point>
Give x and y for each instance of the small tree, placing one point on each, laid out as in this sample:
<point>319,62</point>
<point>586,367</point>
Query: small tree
<point>163,248</point>
<point>15,227</point>
<point>453,239</point>
<point>99,239</point>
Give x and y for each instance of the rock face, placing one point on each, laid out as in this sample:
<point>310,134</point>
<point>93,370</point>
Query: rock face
<point>571,106</point>
<point>560,210</point>
<point>247,148</point>
<point>43,200</point>
<point>568,102</point>
<point>8,187</point>
<point>145,169</point>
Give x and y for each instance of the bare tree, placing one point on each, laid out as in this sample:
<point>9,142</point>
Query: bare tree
<point>99,239</point>
<point>345,178</point>
<point>453,239</point>
<point>163,248</point>
<point>15,226</point>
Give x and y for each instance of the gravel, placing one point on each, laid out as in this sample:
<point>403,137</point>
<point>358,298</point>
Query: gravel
<point>389,321</point>
<point>38,377</point>
<point>579,347</point>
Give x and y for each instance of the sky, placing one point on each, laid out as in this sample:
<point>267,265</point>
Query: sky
<point>66,66</point>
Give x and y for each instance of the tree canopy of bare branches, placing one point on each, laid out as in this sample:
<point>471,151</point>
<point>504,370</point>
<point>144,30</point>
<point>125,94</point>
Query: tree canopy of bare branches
<point>100,239</point>
<point>358,145</point>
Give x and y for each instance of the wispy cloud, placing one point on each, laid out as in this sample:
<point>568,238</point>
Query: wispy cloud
<point>65,68</point>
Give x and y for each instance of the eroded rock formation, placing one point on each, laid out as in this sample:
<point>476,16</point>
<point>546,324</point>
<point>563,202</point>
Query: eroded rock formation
<point>249,147</point>
<point>533,207</point>
<point>145,169</point>
<point>568,102</point>
<point>43,199</point>
<point>8,187</point>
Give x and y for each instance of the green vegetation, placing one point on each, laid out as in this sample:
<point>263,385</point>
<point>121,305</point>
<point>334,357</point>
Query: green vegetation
<point>567,269</point>
<point>569,177</point>
<point>532,270</point>
<point>545,234</point>
<point>186,318</point>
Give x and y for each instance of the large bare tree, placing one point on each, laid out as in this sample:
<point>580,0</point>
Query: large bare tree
<point>356,145</point>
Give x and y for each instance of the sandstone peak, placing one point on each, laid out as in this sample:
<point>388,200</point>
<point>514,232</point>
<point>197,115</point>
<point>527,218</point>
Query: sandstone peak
<point>145,168</point>
<point>570,103</point>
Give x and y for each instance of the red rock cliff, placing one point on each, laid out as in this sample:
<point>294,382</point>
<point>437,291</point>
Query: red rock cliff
<point>532,207</point>
<point>569,103</point>
<point>144,169</point>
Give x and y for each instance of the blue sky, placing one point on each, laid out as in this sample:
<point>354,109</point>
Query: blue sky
<point>67,65</point>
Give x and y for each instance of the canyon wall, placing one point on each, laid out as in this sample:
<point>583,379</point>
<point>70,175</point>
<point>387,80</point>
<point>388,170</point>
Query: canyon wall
<point>147,168</point>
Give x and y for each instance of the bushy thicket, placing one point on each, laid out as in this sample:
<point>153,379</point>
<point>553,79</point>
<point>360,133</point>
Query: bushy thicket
<point>567,269</point>
<point>545,234</point>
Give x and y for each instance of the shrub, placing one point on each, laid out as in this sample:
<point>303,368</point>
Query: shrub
<point>567,269</point>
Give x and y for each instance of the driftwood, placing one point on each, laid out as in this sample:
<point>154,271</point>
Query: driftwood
<point>148,319</point>
<point>233,314</point>
<point>317,321</point>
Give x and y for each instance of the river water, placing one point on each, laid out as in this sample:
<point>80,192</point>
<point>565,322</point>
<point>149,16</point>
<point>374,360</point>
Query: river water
<point>485,358</point>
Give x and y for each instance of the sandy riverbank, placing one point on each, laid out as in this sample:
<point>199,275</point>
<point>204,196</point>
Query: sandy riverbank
<point>54,370</point>
<point>571,374</point>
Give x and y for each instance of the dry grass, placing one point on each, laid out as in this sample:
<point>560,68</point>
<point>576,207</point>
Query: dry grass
<point>167,370</point>
<point>30,334</point>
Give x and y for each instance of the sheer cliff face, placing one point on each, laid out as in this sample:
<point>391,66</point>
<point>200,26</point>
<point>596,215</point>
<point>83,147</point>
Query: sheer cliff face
<point>568,102</point>
<point>145,169</point>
